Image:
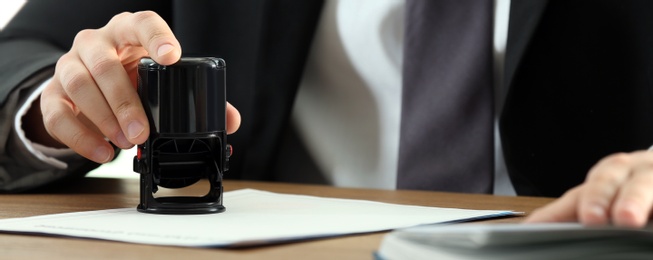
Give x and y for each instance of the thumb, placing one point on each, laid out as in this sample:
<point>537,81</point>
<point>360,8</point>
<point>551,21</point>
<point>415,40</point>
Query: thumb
<point>145,29</point>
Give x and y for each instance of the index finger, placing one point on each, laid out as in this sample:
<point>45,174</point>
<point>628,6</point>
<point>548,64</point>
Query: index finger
<point>563,209</point>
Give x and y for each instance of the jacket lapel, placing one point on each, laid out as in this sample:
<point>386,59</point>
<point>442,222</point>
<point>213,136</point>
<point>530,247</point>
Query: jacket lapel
<point>265,44</point>
<point>524,18</point>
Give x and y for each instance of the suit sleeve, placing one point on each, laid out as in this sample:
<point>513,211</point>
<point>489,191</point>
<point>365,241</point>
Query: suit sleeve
<point>30,45</point>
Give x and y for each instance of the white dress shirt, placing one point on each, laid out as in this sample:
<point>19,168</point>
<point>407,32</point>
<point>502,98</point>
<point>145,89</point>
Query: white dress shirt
<point>349,102</point>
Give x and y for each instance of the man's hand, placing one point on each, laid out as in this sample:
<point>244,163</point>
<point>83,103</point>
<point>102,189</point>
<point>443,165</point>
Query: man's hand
<point>93,96</point>
<point>618,191</point>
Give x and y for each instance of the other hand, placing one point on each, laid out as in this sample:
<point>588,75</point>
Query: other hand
<point>618,190</point>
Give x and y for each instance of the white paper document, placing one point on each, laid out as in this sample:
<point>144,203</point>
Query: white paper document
<point>252,217</point>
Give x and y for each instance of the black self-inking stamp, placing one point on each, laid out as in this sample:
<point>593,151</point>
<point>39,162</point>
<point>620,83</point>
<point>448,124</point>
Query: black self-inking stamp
<point>186,107</point>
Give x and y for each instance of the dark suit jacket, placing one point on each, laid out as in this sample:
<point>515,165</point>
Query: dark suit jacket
<point>578,74</point>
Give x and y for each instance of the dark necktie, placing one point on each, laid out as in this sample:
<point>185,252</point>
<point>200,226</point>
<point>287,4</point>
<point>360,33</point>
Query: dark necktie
<point>447,117</point>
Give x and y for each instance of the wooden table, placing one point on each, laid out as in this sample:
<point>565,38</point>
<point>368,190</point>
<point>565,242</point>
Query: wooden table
<point>98,193</point>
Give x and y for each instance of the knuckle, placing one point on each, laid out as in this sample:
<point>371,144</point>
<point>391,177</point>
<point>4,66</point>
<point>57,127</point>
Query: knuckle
<point>610,177</point>
<point>61,64</point>
<point>600,171</point>
<point>154,35</point>
<point>120,16</point>
<point>73,83</point>
<point>84,36</point>
<point>144,17</point>
<point>76,139</point>
<point>101,65</point>
<point>117,19</point>
<point>65,58</point>
<point>51,119</point>
<point>122,107</point>
<point>152,25</point>
<point>47,93</point>
<point>108,122</point>
<point>619,159</point>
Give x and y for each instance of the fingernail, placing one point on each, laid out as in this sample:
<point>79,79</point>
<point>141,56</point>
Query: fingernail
<point>598,212</point>
<point>134,129</point>
<point>102,154</point>
<point>122,141</point>
<point>631,215</point>
<point>164,49</point>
